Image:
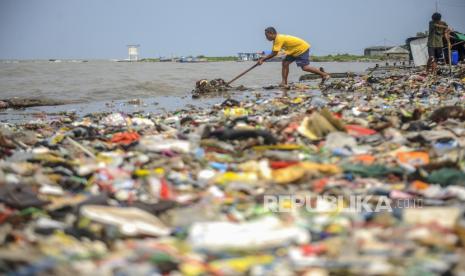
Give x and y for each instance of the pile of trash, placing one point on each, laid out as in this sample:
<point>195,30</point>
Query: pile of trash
<point>366,178</point>
<point>205,88</point>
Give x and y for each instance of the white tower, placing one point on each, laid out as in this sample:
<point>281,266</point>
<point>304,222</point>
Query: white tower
<point>133,52</point>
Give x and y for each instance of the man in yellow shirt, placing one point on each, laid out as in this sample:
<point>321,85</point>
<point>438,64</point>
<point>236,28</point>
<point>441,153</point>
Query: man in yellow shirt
<point>296,50</point>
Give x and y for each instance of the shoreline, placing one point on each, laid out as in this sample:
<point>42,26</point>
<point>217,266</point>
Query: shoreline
<point>156,105</point>
<point>326,58</point>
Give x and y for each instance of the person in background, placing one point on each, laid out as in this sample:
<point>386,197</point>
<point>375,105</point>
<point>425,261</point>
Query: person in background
<point>437,30</point>
<point>296,49</point>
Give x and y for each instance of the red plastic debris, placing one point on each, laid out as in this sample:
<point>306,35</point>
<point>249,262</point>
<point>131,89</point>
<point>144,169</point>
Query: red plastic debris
<point>356,130</point>
<point>282,164</point>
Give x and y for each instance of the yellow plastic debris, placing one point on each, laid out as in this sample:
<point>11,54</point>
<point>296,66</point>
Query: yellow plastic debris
<point>278,147</point>
<point>235,112</point>
<point>322,168</point>
<point>192,269</point>
<point>288,174</point>
<point>57,139</point>
<point>236,177</point>
<point>241,265</point>
<point>295,172</point>
<point>297,100</point>
<point>145,172</point>
<point>141,172</point>
<point>318,125</point>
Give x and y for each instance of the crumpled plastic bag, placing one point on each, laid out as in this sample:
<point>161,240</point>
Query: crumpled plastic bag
<point>266,232</point>
<point>115,119</point>
<point>158,143</point>
<point>130,221</point>
<point>339,139</point>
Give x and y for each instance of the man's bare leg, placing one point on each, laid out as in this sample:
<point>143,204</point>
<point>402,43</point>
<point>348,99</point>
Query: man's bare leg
<point>434,67</point>
<point>285,72</point>
<point>429,65</point>
<point>308,68</point>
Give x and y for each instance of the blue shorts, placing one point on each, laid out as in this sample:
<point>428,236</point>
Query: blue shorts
<point>301,60</point>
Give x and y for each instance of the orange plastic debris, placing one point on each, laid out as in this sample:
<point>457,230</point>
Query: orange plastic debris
<point>419,185</point>
<point>366,159</point>
<point>413,158</point>
<point>125,138</point>
<point>291,128</point>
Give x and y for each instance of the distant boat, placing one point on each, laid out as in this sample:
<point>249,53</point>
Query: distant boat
<point>165,59</point>
<point>280,57</point>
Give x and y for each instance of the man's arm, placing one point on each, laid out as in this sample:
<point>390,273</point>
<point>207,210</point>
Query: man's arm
<point>443,25</point>
<point>263,59</point>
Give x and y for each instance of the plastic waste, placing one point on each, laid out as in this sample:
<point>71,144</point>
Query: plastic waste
<point>158,144</point>
<point>130,221</point>
<point>115,120</point>
<point>318,125</point>
<point>125,138</point>
<point>267,232</point>
<point>264,183</point>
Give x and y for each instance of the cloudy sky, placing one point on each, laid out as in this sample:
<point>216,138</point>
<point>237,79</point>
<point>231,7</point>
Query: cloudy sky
<point>42,29</point>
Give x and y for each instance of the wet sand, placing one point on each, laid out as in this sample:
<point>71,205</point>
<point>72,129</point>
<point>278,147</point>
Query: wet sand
<point>155,105</point>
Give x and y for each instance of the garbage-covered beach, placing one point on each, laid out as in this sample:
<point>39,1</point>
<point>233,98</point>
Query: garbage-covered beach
<point>245,186</point>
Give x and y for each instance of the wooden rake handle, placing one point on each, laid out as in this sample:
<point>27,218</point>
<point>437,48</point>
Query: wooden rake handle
<point>243,73</point>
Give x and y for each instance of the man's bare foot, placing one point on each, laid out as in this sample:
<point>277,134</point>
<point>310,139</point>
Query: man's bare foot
<point>325,78</point>
<point>283,85</point>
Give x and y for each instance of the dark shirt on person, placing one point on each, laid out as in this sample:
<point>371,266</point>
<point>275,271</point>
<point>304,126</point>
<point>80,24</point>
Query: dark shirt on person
<point>435,34</point>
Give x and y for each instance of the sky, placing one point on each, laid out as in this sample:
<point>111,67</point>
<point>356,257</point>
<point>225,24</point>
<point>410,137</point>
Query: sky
<point>101,29</point>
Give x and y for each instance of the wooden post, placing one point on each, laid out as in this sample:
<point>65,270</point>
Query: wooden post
<point>447,35</point>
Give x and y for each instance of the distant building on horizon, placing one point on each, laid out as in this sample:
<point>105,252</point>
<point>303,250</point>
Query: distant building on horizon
<point>133,52</point>
<point>397,53</point>
<point>376,50</point>
<point>248,56</point>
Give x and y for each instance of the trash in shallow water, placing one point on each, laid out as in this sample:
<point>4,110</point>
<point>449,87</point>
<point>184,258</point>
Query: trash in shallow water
<point>205,88</point>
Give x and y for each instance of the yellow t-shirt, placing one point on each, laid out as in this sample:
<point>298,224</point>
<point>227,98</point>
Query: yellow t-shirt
<point>292,45</point>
